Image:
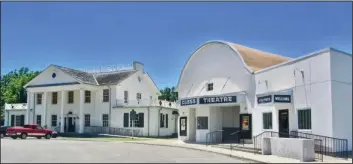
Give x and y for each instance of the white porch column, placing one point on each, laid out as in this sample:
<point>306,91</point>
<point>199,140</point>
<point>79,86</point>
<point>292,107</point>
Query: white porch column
<point>7,119</point>
<point>81,117</point>
<point>28,108</point>
<point>33,106</point>
<point>62,112</point>
<point>45,109</point>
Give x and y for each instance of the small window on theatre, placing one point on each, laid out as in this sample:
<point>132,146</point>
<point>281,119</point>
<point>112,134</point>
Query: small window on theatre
<point>54,98</point>
<point>304,119</point>
<point>138,96</point>
<point>267,120</point>
<point>202,122</point>
<point>39,98</point>
<point>210,87</point>
<point>87,96</point>
<point>54,120</point>
<point>105,95</point>
<point>70,97</point>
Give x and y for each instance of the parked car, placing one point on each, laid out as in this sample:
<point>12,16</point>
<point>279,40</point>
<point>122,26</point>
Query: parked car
<point>3,131</point>
<point>31,130</point>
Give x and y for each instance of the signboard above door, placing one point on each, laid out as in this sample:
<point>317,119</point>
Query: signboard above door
<point>282,98</point>
<point>209,100</point>
<point>191,101</point>
<point>264,99</point>
<point>218,99</point>
<point>274,99</point>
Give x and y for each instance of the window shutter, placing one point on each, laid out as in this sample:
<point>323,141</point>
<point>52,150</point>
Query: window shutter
<point>166,120</point>
<point>22,120</point>
<point>141,120</point>
<point>161,121</point>
<point>126,119</point>
<point>12,120</point>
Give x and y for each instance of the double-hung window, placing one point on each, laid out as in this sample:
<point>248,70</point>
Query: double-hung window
<point>105,118</point>
<point>39,98</point>
<point>105,95</point>
<point>87,96</point>
<point>54,120</point>
<point>70,97</point>
<point>54,98</point>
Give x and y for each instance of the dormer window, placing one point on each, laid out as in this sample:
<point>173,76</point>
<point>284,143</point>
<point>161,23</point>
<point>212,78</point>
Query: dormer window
<point>209,86</point>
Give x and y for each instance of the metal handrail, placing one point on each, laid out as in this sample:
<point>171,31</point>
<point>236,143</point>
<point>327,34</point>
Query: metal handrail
<point>332,146</point>
<point>211,134</point>
<point>258,146</point>
<point>236,132</point>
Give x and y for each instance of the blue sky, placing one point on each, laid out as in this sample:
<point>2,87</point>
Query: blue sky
<point>162,35</point>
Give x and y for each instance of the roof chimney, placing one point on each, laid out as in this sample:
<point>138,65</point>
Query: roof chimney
<point>138,66</point>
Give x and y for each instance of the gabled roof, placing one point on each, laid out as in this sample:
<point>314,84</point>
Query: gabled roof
<point>256,59</point>
<point>110,78</point>
<point>101,78</point>
<point>80,76</point>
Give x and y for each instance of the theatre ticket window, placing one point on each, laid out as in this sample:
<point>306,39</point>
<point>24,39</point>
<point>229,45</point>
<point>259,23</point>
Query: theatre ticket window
<point>202,122</point>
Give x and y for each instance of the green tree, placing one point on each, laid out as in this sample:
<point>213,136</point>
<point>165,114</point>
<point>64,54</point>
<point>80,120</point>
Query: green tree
<point>168,94</point>
<point>12,90</point>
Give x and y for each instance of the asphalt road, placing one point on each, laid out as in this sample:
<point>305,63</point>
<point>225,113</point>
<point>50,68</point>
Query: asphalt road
<point>33,150</point>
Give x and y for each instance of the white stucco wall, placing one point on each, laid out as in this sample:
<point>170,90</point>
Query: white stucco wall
<point>341,87</point>
<point>311,91</point>
<point>203,111</point>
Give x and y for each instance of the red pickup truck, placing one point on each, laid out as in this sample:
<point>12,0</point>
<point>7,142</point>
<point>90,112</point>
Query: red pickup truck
<point>31,130</point>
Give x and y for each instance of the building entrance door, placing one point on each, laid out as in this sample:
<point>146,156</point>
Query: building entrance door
<point>283,123</point>
<point>183,126</point>
<point>70,124</point>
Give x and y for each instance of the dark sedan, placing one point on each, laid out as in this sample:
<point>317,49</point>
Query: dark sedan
<point>3,131</point>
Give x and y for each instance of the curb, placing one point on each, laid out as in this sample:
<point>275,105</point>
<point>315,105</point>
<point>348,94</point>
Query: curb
<point>229,155</point>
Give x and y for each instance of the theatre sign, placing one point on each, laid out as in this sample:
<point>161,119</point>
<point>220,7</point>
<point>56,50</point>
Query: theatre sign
<point>209,100</point>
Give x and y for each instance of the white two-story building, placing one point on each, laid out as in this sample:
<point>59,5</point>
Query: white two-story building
<point>226,88</point>
<point>70,100</point>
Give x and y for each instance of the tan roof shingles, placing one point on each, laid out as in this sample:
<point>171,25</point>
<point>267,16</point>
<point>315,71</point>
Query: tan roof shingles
<point>256,59</point>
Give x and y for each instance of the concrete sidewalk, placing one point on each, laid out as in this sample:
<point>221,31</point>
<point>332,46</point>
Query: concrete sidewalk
<point>237,154</point>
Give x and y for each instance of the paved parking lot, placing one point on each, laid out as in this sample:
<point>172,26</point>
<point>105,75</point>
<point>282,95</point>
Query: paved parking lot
<point>33,150</point>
